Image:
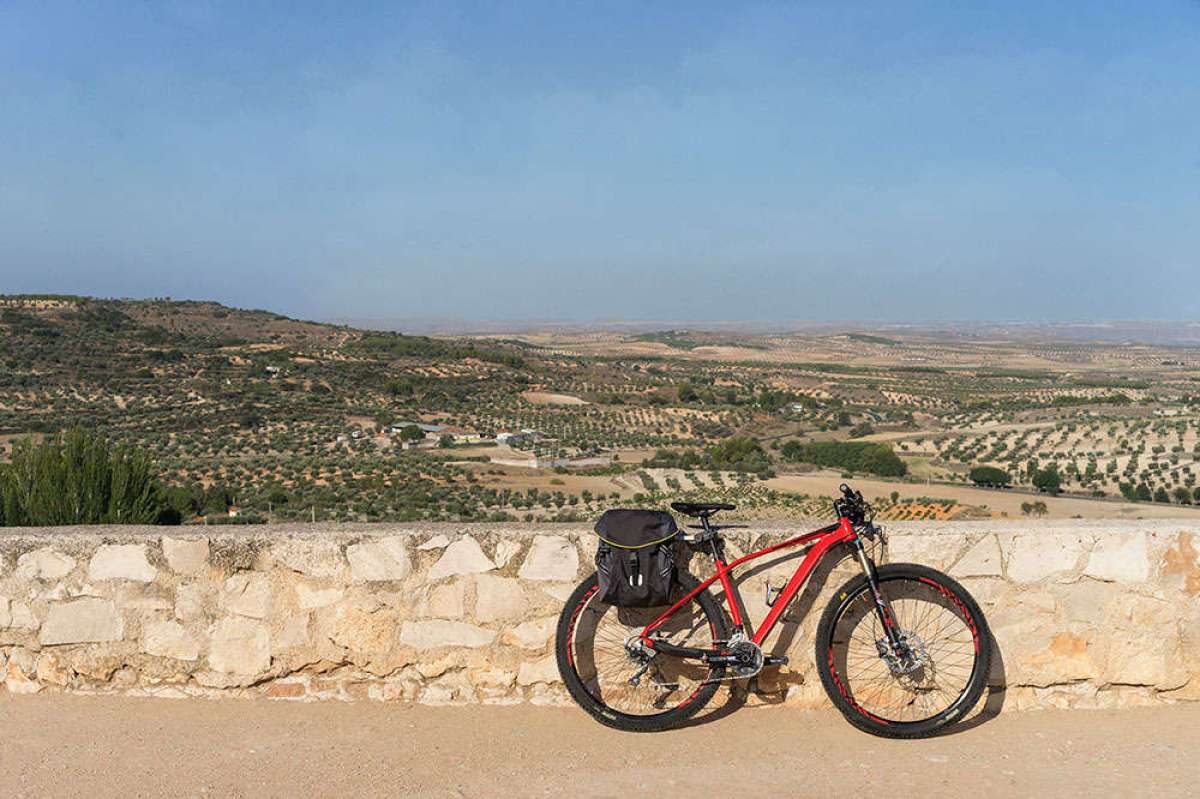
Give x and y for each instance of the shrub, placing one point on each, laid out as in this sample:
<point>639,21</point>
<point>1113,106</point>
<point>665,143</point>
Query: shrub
<point>79,478</point>
<point>990,476</point>
<point>854,456</point>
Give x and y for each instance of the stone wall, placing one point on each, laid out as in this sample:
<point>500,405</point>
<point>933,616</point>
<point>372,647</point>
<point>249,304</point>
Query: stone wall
<point>1093,614</point>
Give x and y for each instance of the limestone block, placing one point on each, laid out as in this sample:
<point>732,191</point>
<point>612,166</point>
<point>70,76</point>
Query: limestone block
<point>361,630</point>
<point>169,639</point>
<point>44,564</point>
<point>938,551</point>
<point>1138,652</point>
<point>498,598</point>
<point>550,558</point>
<point>191,600</point>
<point>315,558</point>
<point>464,556</point>
<point>1181,563</point>
<point>239,646</point>
<point>292,634</point>
<point>22,617</point>
<point>1067,659</point>
<point>52,671</point>
<point>531,634</point>
<point>247,594</point>
<point>379,561</point>
<point>81,621</point>
<point>447,601</point>
<point>121,562</point>
<point>1036,556</point>
<point>439,541</point>
<point>542,671</point>
<point>560,592</point>
<point>505,551</point>
<point>491,677</point>
<point>185,555</point>
<point>434,634</point>
<point>1120,558</point>
<point>310,597</point>
<point>22,666</point>
<point>5,613</point>
<point>981,560</point>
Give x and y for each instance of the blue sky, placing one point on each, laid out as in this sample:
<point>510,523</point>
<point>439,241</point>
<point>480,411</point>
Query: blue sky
<point>643,160</point>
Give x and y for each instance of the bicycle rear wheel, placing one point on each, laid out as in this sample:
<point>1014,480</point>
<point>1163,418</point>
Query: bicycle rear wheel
<point>620,686</point>
<point>943,673</point>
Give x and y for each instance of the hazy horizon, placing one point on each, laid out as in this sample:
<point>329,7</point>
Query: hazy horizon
<point>699,163</point>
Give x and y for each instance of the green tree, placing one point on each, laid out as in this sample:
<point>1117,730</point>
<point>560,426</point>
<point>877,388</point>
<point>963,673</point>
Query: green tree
<point>1048,480</point>
<point>1161,495</point>
<point>1142,493</point>
<point>1183,496</point>
<point>855,456</point>
<point>411,433</point>
<point>78,477</point>
<point>990,476</point>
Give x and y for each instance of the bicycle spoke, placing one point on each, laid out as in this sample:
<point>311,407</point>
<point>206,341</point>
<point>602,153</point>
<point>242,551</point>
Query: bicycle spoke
<point>941,640</point>
<point>606,667</point>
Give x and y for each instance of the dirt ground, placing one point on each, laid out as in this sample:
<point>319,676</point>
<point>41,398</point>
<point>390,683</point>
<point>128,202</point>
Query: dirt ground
<point>113,746</point>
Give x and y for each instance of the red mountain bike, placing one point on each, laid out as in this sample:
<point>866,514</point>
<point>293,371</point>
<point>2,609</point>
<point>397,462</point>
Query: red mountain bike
<point>903,650</point>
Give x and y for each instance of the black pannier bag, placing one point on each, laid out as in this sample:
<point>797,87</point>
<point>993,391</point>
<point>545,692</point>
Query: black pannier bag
<point>635,560</point>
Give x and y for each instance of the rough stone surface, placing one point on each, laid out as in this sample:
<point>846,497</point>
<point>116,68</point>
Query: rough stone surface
<point>310,597</point>
<point>169,639</point>
<point>44,564</point>
<point>314,558</point>
<point>1086,614</point>
<point>22,617</point>
<point>1120,558</point>
<point>240,646</point>
<point>531,634</point>
<point>435,634</point>
<point>1036,557</point>
<point>379,561</point>
<point>248,594</point>
<point>544,670</point>
<point>185,555</point>
<point>498,598</point>
<point>82,621</point>
<point>983,559</point>
<point>464,556</point>
<point>552,557</point>
<point>121,562</point>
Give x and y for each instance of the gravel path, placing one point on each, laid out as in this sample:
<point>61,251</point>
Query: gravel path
<point>110,746</point>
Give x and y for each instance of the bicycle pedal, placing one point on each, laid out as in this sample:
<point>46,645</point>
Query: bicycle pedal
<point>775,660</point>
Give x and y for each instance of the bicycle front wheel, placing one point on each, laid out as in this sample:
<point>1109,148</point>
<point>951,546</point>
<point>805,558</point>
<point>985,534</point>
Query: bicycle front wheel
<point>619,685</point>
<point>944,664</point>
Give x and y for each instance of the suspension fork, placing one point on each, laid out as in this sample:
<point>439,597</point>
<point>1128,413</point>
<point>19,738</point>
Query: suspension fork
<point>883,608</point>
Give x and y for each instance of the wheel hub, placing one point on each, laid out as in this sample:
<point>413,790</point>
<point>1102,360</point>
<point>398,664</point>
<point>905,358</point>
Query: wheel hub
<point>910,655</point>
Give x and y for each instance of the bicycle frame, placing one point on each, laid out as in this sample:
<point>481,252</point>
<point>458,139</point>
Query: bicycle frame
<point>822,540</point>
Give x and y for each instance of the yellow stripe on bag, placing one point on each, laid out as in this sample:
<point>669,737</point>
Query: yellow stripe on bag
<point>639,546</point>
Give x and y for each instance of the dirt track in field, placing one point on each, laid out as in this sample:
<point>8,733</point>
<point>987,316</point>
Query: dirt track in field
<point>111,746</point>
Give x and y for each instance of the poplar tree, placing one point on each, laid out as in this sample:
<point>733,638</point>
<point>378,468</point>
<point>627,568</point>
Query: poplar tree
<point>78,477</point>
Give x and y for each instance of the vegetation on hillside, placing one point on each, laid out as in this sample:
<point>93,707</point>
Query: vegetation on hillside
<point>853,456</point>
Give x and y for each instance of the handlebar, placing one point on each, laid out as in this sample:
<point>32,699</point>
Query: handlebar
<point>852,506</point>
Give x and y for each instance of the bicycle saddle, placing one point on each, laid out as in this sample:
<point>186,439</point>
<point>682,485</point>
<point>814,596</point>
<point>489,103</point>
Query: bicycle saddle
<point>701,508</point>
